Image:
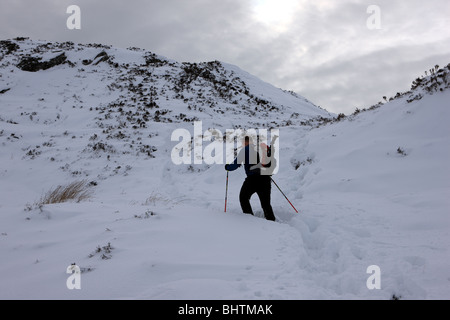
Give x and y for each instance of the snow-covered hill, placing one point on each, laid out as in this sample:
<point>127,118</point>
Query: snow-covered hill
<point>371,188</point>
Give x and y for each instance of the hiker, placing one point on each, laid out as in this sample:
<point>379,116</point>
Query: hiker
<point>255,181</point>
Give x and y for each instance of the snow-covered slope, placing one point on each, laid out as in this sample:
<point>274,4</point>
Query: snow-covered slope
<point>372,189</point>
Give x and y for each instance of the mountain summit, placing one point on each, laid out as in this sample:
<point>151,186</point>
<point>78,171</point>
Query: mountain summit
<point>139,87</point>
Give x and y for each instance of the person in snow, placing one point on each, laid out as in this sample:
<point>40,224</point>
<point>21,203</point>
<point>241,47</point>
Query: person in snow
<point>255,181</point>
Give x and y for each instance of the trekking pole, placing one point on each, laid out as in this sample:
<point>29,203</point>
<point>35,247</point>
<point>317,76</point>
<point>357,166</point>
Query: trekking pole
<point>284,194</point>
<point>226,194</point>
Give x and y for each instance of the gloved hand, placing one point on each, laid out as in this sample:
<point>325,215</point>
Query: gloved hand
<point>227,167</point>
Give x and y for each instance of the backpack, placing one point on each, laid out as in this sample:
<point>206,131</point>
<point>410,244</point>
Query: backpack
<point>267,163</point>
<point>266,153</point>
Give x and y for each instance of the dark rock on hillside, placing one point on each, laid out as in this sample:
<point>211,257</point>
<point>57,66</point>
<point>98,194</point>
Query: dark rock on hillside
<point>8,46</point>
<point>33,64</point>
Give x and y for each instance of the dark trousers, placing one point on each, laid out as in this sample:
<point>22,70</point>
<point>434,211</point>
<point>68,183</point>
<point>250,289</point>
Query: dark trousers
<point>260,185</point>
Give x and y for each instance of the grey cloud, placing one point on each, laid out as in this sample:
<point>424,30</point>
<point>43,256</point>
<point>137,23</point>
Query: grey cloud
<point>363,81</point>
<point>346,65</point>
<point>327,54</point>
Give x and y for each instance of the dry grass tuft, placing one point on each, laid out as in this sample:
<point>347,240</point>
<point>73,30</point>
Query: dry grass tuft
<point>75,191</point>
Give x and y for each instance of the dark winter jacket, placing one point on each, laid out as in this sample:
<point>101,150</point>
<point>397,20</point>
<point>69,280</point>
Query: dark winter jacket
<point>249,157</point>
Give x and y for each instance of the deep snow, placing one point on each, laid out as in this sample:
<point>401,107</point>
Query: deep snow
<point>361,202</point>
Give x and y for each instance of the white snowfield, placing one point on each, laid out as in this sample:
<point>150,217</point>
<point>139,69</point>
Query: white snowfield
<point>371,189</point>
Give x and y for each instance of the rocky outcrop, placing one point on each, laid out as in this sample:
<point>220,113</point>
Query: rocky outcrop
<point>33,64</point>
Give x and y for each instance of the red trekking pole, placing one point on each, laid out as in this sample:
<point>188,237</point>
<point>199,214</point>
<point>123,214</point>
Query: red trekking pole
<point>226,194</point>
<point>284,195</point>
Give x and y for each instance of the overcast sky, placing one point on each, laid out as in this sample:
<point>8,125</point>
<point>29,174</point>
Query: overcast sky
<point>321,49</point>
